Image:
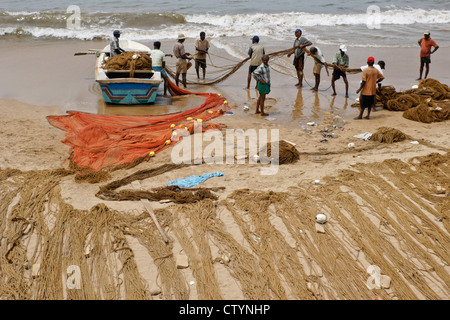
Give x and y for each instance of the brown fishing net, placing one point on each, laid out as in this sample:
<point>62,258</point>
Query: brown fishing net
<point>172,193</point>
<point>388,135</point>
<point>250,245</point>
<point>404,102</point>
<point>427,103</point>
<point>125,61</point>
<point>287,153</point>
<point>429,112</point>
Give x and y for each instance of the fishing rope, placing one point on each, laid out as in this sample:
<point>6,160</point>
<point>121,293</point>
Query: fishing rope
<point>233,68</point>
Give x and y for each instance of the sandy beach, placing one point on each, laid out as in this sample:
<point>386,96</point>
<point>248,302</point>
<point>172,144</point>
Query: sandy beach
<point>387,205</point>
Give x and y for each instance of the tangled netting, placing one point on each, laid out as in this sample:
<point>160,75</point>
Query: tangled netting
<point>287,153</point>
<point>389,135</point>
<point>172,193</point>
<point>105,141</point>
<point>430,102</point>
<point>227,71</point>
<point>392,214</point>
<point>125,61</point>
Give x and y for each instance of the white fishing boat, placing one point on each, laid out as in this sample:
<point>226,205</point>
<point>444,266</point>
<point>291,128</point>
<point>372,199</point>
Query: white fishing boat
<point>126,86</point>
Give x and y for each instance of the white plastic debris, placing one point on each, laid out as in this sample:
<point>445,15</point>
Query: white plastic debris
<point>351,145</point>
<point>321,218</point>
<point>414,142</point>
<point>364,136</point>
<point>311,123</point>
<point>316,181</point>
<point>245,108</point>
<point>135,56</point>
<point>256,158</point>
<point>415,86</point>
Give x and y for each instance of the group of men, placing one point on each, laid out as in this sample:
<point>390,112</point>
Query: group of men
<point>259,68</point>
<point>183,57</point>
<point>371,77</point>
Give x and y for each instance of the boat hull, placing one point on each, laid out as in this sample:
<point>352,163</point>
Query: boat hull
<point>118,87</point>
<point>129,93</point>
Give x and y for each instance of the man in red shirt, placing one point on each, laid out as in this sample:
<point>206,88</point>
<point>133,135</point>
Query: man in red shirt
<point>425,51</point>
<point>368,89</point>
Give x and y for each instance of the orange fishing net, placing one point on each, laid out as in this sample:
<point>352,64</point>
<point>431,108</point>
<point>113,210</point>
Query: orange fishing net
<point>101,141</point>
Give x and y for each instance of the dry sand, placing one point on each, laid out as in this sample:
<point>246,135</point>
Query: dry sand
<point>29,142</point>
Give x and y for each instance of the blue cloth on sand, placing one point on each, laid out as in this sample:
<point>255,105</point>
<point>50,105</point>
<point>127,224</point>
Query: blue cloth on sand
<point>194,180</point>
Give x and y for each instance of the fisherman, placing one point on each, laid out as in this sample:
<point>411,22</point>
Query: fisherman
<point>262,77</point>
<point>299,55</point>
<point>368,88</point>
<point>114,45</point>
<point>425,52</point>
<point>181,55</point>
<point>340,60</point>
<point>201,50</point>
<point>319,62</point>
<point>159,63</point>
<point>255,52</point>
<point>380,66</point>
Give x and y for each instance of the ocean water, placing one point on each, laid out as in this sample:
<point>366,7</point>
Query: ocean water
<point>356,23</point>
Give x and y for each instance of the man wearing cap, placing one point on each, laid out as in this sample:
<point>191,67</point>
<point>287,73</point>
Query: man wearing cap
<point>181,55</point>
<point>340,60</point>
<point>425,52</point>
<point>201,50</point>
<point>368,88</point>
<point>380,66</point>
<point>255,52</point>
<point>114,45</point>
<point>299,55</point>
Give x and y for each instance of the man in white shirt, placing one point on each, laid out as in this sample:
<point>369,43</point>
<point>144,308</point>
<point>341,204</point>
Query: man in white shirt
<point>319,62</point>
<point>201,50</point>
<point>159,62</point>
<point>255,52</point>
<point>114,47</point>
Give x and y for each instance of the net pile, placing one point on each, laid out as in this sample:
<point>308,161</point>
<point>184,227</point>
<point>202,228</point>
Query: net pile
<point>287,153</point>
<point>125,61</point>
<point>105,141</point>
<point>388,135</point>
<point>430,102</point>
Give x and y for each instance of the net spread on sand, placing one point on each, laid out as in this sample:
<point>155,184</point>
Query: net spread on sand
<point>105,141</point>
<point>392,214</point>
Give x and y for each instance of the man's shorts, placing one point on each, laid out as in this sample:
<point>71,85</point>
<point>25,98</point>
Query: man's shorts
<point>337,73</point>
<point>367,101</point>
<point>317,68</point>
<point>425,59</point>
<point>252,68</point>
<point>200,63</point>
<point>181,65</point>
<point>263,88</point>
<point>160,69</point>
<point>299,62</point>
